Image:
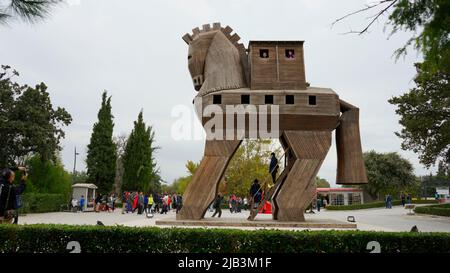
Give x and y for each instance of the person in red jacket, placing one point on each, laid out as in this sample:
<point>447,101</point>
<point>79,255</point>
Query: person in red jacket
<point>135,201</point>
<point>169,202</point>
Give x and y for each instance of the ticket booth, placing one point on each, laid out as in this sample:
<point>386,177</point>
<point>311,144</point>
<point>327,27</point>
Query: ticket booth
<point>87,191</point>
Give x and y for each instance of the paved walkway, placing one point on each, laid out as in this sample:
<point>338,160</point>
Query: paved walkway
<point>395,219</point>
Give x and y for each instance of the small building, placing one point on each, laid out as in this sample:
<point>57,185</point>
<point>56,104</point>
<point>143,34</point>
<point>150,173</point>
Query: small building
<point>341,196</point>
<point>443,194</point>
<point>87,191</point>
<point>277,65</point>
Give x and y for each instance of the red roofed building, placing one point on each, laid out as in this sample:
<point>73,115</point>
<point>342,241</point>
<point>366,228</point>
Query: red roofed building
<point>341,196</point>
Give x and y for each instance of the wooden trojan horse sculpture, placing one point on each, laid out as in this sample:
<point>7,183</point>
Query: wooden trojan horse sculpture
<point>265,88</point>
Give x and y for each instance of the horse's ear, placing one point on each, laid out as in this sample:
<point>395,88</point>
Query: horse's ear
<point>187,38</point>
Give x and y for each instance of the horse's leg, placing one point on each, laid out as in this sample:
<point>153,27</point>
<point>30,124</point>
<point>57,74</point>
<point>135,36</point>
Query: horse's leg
<point>297,191</point>
<point>204,185</point>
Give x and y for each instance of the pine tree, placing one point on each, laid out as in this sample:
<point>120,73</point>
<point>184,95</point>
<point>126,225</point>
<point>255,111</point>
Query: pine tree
<point>101,155</point>
<point>140,171</point>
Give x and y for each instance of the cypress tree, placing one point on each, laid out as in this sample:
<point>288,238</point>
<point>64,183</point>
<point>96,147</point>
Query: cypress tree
<point>101,154</point>
<point>140,171</point>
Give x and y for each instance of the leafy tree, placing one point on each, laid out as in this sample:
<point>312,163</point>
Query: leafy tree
<point>48,177</point>
<point>28,123</point>
<point>425,117</point>
<point>121,142</point>
<point>29,11</point>
<point>79,177</point>
<point>388,173</point>
<point>140,171</point>
<point>101,153</point>
<point>322,183</point>
<point>180,184</point>
<point>424,110</point>
<point>443,171</point>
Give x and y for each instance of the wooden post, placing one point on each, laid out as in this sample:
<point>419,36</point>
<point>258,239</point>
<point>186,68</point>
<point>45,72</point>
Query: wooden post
<point>204,186</point>
<point>309,149</point>
<point>350,161</point>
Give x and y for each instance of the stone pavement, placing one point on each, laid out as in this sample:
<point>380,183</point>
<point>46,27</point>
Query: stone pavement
<point>381,219</point>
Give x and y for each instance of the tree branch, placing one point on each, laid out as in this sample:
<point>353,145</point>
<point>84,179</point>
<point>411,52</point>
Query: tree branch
<point>368,7</point>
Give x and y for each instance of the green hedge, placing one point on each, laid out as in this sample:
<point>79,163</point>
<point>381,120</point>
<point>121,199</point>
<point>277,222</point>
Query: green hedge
<point>42,202</point>
<point>441,210</point>
<point>96,239</point>
<point>377,205</point>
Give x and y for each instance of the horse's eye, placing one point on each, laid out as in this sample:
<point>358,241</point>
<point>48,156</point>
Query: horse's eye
<point>190,56</point>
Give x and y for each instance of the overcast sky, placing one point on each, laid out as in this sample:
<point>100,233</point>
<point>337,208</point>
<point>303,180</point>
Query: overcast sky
<point>134,50</point>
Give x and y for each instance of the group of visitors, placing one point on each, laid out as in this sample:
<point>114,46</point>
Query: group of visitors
<point>237,203</point>
<point>321,202</point>
<point>102,202</point>
<point>77,205</point>
<point>404,198</point>
<point>256,193</point>
<point>150,203</point>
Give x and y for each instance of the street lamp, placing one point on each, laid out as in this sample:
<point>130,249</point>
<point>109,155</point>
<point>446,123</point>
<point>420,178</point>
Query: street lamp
<point>75,160</point>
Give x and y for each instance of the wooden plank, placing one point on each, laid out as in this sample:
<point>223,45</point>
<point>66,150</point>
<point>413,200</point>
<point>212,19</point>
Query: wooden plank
<point>204,185</point>
<point>350,162</point>
<point>310,149</point>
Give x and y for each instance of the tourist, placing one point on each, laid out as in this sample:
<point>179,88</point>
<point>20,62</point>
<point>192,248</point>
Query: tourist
<point>165,204</point>
<point>146,203</point>
<point>140,203</point>
<point>157,201</point>
<point>255,193</point>
<point>82,201</point>
<point>217,205</point>
<point>402,198</point>
<point>325,202</point>
<point>98,201</point>
<point>135,201</point>
<point>233,203</point>
<point>150,203</point>
<point>179,203</point>
<point>10,195</point>
<point>388,201</point>
<point>174,201</point>
<point>113,201</point>
<point>130,202</point>
<point>169,202</point>
<point>408,199</point>
<point>319,203</point>
<point>238,204</point>
<point>273,167</point>
<point>74,205</point>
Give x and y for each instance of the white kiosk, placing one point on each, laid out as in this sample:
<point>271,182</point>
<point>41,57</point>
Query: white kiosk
<point>87,191</point>
<point>443,194</point>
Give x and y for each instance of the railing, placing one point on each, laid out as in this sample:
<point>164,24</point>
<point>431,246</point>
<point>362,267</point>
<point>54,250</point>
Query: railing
<point>267,195</point>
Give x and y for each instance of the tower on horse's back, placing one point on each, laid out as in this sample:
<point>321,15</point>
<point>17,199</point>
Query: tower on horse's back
<point>261,92</point>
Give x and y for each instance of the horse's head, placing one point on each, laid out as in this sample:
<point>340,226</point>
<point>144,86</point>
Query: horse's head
<point>215,59</point>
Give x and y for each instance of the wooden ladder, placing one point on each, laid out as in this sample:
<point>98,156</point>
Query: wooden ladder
<point>268,194</point>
